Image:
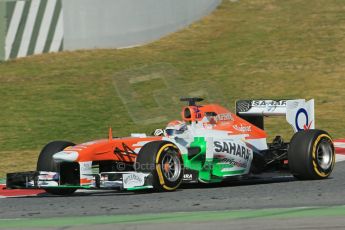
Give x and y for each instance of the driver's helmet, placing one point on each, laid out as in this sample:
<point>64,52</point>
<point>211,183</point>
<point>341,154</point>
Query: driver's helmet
<point>175,127</point>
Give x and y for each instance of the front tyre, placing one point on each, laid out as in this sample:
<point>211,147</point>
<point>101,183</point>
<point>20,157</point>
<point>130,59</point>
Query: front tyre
<point>163,160</point>
<point>311,155</point>
<point>46,163</point>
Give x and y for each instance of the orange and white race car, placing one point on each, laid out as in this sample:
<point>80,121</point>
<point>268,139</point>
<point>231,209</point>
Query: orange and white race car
<point>209,145</point>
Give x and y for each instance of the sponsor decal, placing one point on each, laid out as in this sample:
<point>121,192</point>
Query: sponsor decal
<point>270,105</point>
<point>126,154</point>
<point>232,148</point>
<point>213,119</point>
<point>85,166</point>
<point>197,112</point>
<point>44,176</point>
<point>224,117</point>
<point>188,176</point>
<point>243,128</point>
<point>85,173</point>
<point>234,163</point>
<point>132,180</point>
<point>306,126</point>
<point>265,103</point>
<point>43,184</point>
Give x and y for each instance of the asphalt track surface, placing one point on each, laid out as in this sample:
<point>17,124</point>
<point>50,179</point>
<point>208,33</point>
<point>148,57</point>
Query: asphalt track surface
<point>282,192</point>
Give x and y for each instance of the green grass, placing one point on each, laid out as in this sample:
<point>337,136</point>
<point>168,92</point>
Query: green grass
<point>245,49</point>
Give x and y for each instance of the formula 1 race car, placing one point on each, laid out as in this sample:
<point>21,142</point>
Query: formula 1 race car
<point>209,145</point>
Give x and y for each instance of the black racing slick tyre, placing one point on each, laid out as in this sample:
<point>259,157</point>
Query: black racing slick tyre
<point>46,163</point>
<point>163,160</point>
<point>311,155</point>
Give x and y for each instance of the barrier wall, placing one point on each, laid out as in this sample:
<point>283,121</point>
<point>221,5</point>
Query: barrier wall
<point>122,23</point>
<point>30,27</point>
<point>2,29</point>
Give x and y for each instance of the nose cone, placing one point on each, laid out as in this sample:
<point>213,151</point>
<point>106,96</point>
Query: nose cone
<point>66,156</point>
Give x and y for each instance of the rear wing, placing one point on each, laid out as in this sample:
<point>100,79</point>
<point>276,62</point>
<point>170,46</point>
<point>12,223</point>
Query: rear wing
<point>299,113</point>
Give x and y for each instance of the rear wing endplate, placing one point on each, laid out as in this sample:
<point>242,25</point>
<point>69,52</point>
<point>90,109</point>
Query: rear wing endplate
<point>299,113</point>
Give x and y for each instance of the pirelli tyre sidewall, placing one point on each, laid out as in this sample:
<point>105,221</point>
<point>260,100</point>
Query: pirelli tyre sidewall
<point>311,155</point>
<point>153,158</point>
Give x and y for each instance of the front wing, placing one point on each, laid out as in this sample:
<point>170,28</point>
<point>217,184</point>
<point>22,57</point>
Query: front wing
<point>104,180</point>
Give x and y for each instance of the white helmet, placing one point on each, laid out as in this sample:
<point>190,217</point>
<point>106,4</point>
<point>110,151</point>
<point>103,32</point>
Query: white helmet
<point>175,127</point>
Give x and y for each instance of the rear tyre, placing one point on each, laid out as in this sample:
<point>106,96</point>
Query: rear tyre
<point>46,163</point>
<point>311,155</point>
<point>164,161</point>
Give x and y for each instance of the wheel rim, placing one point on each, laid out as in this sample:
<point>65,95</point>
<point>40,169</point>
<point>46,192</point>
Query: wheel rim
<point>171,166</point>
<point>324,155</point>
